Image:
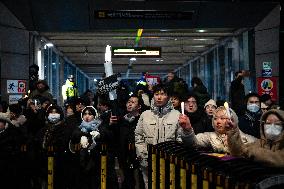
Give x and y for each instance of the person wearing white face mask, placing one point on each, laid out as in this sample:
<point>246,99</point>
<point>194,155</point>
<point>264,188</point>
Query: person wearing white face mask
<point>269,149</point>
<point>249,122</point>
<point>55,133</point>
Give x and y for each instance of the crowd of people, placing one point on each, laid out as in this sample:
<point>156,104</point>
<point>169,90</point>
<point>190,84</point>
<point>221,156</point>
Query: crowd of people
<point>251,128</point>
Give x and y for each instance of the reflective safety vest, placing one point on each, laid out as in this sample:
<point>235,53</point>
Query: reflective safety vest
<point>71,92</point>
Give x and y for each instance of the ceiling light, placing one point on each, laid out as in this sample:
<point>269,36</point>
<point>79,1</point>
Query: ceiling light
<point>133,59</point>
<point>202,39</point>
<point>164,30</point>
<point>201,31</point>
<point>198,46</point>
<point>95,80</point>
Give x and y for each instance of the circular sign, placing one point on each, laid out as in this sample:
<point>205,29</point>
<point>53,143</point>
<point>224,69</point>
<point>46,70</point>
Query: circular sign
<point>266,85</point>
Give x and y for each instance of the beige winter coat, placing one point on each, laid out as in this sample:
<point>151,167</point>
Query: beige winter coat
<point>270,153</point>
<point>217,142</point>
<point>155,126</point>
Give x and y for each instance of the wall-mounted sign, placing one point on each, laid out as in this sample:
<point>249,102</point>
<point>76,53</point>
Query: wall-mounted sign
<point>143,14</point>
<point>16,86</point>
<point>152,80</point>
<point>142,52</point>
<point>266,69</point>
<point>268,86</point>
<point>266,65</point>
<point>13,99</point>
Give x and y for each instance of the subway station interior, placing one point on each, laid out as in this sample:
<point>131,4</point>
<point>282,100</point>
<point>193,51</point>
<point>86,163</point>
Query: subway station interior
<point>210,40</point>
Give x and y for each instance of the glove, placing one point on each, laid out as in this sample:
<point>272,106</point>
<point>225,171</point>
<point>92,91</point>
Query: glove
<point>95,134</point>
<point>84,142</point>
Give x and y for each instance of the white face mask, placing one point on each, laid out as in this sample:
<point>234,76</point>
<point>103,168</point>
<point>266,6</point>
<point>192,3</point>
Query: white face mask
<point>53,118</point>
<point>272,131</point>
<point>253,108</point>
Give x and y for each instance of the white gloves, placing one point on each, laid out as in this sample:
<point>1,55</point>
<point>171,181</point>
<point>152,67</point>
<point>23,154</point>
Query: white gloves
<point>95,134</point>
<point>84,142</point>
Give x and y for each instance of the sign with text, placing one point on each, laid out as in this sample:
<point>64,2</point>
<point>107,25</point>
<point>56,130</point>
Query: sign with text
<point>152,80</point>
<point>141,52</point>
<point>143,14</point>
<point>268,86</point>
<point>108,84</point>
<point>266,73</point>
<point>13,99</point>
<point>266,65</point>
<point>16,86</point>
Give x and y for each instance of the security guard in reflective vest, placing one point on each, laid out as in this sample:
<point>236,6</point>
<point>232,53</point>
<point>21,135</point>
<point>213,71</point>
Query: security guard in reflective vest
<point>69,90</point>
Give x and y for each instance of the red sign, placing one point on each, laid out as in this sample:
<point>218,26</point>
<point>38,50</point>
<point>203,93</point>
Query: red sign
<point>152,80</point>
<point>268,86</point>
<point>22,86</point>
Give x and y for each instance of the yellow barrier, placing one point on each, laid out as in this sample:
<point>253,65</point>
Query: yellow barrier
<point>50,167</point>
<point>103,167</point>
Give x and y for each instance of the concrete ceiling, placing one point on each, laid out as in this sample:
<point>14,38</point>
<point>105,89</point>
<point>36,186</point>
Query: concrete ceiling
<point>86,49</point>
<point>72,26</point>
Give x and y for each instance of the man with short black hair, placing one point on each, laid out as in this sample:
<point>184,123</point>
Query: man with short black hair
<point>159,124</point>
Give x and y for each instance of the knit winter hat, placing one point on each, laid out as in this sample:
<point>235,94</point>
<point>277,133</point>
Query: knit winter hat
<point>210,102</point>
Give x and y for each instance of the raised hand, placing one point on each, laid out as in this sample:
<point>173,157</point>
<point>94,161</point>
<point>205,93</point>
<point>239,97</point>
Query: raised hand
<point>184,122</point>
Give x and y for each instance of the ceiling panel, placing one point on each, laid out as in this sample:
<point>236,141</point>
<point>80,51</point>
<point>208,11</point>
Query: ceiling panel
<point>87,49</point>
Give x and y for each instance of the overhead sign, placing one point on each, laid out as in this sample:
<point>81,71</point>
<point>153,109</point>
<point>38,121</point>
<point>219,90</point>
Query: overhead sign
<point>16,86</point>
<point>143,14</point>
<point>108,84</point>
<point>268,86</point>
<point>141,52</point>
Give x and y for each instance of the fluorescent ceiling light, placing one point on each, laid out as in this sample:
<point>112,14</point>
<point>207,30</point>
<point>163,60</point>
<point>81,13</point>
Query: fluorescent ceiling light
<point>197,46</point>
<point>202,39</point>
<point>132,59</point>
<point>201,31</point>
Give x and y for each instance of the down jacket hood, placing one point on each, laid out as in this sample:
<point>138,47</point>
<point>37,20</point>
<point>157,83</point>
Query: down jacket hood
<point>280,114</point>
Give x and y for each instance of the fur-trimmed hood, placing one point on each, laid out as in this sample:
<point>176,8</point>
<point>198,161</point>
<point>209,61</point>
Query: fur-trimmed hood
<point>161,110</point>
<point>280,142</point>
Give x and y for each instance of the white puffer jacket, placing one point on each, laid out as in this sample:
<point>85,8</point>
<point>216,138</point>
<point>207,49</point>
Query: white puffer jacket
<point>216,141</point>
<point>155,126</point>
